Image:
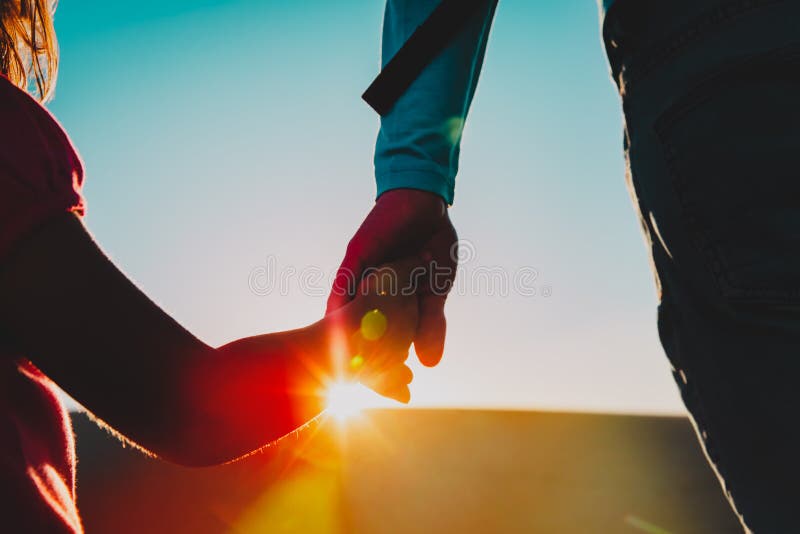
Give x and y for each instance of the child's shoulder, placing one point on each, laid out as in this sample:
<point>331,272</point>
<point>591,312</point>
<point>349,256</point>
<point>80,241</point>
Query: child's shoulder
<point>33,144</point>
<point>41,174</point>
<point>16,103</point>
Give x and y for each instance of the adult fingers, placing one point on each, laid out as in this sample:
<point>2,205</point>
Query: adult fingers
<point>344,282</point>
<point>399,278</point>
<point>431,330</point>
<point>401,221</point>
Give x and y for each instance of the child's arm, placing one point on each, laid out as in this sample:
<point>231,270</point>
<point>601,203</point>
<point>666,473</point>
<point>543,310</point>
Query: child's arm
<point>67,308</point>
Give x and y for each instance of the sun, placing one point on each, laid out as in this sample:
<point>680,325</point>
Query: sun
<point>346,399</point>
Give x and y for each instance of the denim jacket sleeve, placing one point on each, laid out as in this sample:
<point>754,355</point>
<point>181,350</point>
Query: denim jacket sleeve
<point>419,139</point>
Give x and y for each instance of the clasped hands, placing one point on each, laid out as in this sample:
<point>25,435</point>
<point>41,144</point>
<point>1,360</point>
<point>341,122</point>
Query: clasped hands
<point>385,295</point>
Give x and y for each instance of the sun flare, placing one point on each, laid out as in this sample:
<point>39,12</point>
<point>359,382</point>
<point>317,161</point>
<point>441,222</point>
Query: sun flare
<point>345,400</point>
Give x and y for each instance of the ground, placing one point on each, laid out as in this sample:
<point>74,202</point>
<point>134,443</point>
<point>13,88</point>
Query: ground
<point>421,471</point>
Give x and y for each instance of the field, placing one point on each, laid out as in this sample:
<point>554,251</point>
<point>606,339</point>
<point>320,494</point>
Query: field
<point>421,471</point>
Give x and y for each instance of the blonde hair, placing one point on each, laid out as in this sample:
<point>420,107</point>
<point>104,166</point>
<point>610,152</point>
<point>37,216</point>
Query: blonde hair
<point>28,46</point>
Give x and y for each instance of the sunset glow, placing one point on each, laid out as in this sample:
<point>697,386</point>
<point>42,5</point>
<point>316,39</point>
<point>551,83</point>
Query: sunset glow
<point>346,400</point>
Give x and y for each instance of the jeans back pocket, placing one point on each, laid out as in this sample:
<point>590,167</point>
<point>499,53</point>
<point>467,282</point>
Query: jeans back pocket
<point>732,147</point>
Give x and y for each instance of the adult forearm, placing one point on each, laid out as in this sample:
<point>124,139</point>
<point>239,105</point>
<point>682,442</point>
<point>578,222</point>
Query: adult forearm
<point>419,140</point>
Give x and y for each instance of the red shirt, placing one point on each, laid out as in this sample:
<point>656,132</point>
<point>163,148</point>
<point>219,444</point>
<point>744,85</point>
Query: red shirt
<point>40,178</point>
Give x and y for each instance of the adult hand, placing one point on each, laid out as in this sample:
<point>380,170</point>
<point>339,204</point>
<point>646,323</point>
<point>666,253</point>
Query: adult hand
<point>406,223</point>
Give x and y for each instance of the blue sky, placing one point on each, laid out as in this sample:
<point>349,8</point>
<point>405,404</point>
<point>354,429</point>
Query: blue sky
<point>219,134</point>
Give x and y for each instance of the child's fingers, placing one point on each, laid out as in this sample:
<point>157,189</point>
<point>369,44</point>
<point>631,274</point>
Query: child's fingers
<point>389,378</point>
<point>377,321</point>
<point>385,358</point>
<point>401,394</point>
<point>380,341</point>
<point>381,367</point>
<point>392,383</point>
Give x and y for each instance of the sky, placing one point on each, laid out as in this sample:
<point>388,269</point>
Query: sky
<point>225,139</point>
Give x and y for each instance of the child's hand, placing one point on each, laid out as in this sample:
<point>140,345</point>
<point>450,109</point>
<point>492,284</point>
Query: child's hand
<point>379,326</point>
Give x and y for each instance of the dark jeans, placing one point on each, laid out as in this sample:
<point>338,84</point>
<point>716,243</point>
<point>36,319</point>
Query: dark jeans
<point>711,97</point>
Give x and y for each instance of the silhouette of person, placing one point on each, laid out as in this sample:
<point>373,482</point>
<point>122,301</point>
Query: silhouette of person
<point>70,317</point>
<point>709,91</point>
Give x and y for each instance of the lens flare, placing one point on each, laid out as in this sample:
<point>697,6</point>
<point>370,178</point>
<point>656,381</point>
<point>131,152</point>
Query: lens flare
<point>356,362</point>
<point>373,325</point>
<point>346,399</point>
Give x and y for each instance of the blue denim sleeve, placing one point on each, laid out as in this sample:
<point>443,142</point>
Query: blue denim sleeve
<point>419,139</point>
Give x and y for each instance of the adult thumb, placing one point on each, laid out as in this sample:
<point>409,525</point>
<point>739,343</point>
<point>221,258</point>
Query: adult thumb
<point>431,330</point>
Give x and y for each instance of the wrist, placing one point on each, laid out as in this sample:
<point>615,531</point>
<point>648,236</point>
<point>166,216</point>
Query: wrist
<point>431,180</point>
<point>421,197</point>
<point>415,203</point>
